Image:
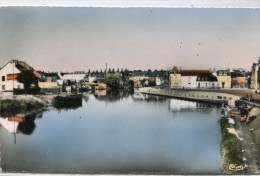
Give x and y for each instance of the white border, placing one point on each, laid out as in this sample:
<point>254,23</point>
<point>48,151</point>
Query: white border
<point>136,3</point>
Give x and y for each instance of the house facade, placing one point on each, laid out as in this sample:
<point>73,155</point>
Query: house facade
<point>192,79</point>
<point>224,78</point>
<point>207,81</point>
<point>189,77</point>
<point>175,78</point>
<point>9,73</point>
<point>72,77</point>
<point>255,79</point>
<point>49,80</point>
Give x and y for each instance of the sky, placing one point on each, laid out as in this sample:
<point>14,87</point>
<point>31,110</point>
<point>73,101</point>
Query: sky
<point>79,39</point>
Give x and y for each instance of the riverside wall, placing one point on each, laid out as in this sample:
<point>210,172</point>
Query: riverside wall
<point>212,96</point>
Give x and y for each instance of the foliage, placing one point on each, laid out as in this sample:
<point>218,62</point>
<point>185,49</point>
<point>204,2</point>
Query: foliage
<point>8,106</point>
<point>112,81</point>
<point>131,83</point>
<point>26,77</point>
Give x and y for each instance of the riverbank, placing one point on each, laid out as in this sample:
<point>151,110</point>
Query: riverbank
<point>20,103</point>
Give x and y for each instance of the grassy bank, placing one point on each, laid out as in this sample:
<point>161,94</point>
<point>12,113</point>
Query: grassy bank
<point>20,104</point>
<point>230,148</point>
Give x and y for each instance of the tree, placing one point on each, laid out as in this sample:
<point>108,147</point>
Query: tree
<point>126,72</point>
<point>112,81</point>
<point>26,78</point>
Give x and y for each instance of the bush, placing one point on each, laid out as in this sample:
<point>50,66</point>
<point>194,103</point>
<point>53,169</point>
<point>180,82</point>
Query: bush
<point>10,106</point>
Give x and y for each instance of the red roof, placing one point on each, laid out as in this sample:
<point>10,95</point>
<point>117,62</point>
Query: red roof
<point>175,69</point>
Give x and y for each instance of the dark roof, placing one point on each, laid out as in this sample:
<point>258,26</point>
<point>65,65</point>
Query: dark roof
<point>207,77</point>
<point>222,72</point>
<point>194,72</point>
<point>49,74</point>
<point>236,73</point>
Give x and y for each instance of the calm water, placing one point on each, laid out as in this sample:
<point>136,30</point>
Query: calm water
<point>116,133</point>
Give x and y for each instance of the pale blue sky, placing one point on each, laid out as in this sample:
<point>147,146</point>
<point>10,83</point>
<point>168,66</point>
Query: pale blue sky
<point>68,39</point>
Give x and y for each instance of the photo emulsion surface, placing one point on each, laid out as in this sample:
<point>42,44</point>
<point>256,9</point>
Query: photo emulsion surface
<point>87,90</point>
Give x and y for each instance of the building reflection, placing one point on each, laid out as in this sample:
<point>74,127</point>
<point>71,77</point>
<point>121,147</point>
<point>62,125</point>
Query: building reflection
<point>111,96</point>
<point>182,105</point>
<point>10,126</point>
<point>24,124</point>
<point>147,98</point>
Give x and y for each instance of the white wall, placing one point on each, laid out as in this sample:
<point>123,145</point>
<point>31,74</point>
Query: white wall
<point>158,81</point>
<point>9,68</point>
<point>185,80</point>
<point>73,77</point>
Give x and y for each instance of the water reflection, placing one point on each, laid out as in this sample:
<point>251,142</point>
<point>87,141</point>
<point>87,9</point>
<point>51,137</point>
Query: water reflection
<point>147,98</point>
<point>134,135</point>
<point>68,102</point>
<point>20,123</point>
<point>182,105</point>
<point>111,96</point>
<point>10,126</point>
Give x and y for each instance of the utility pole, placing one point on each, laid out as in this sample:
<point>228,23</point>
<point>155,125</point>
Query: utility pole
<point>13,77</point>
<point>106,69</point>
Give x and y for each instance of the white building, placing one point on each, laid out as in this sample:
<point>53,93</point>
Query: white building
<point>189,77</point>
<point>158,81</point>
<point>207,81</point>
<point>72,77</point>
<point>9,72</point>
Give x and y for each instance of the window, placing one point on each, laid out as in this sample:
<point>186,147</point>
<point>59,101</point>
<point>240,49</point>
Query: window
<point>189,80</point>
<point>3,87</point>
<point>3,78</point>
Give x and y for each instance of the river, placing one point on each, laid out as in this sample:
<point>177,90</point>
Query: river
<point>115,133</point>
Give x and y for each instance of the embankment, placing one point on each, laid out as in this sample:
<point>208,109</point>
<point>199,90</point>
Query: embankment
<point>231,153</point>
<point>255,126</point>
<point>192,94</point>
